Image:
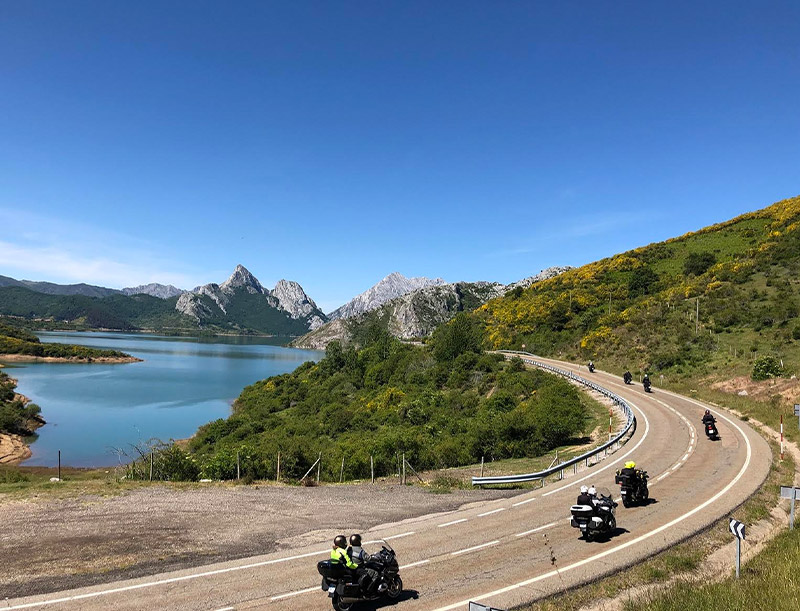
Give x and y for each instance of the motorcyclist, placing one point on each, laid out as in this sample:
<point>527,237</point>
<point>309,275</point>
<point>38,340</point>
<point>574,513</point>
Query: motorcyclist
<point>708,418</point>
<point>584,498</point>
<point>339,552</point>
<point>627,377</point>
<point>368,578</point>
<point>591,366</point>
<point>631,471</point>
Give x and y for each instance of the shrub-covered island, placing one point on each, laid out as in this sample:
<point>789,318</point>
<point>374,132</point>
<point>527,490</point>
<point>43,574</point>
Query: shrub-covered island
<point>18,344</point>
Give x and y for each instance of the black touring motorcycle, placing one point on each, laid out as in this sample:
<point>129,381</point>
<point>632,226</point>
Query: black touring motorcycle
<point>345,588</point>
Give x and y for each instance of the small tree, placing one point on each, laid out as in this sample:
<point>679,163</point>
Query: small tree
<point>698,263</point>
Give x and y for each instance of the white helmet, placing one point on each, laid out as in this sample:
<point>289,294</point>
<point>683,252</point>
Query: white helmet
<point>584,489</point>
<point>592,491</point>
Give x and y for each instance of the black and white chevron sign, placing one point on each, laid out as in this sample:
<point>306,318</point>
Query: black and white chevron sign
<point>737,529</point>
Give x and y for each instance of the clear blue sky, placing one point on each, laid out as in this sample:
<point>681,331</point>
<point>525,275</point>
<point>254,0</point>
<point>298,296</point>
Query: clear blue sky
<point>335,142</point>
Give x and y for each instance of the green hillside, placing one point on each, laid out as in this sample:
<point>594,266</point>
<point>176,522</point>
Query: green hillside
<point>118,312</point>
<point>638,309</point>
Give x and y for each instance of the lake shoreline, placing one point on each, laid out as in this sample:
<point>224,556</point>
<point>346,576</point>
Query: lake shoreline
<point>27,358</point>
<point>13,448</point>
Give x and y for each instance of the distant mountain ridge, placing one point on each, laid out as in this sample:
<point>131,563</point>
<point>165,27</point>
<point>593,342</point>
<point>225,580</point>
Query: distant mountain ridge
<point>50,288</point>
<point>393,285</point>
<point>418,312</point>
<point>162,291</point>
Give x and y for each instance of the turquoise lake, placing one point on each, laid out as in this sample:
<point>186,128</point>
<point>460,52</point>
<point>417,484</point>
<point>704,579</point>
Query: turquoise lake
<point>96,411</point>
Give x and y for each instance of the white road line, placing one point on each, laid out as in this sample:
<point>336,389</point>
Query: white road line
<point>524,502</point>
<point>388,538</point>
<point>685,456</point>
<point>408,566</point>
<point>536,530</point>
<point>662,476</point>
<point>488,513</point>
<point>290,594</point>
<point>226,609</point>
<point>472,549</point>
<point>618,548</point>
<point>451,523</point>
<point>160,582</point>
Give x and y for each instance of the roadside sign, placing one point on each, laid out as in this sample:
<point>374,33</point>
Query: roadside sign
<point>737,528</point>
<point>788,492</point>
<point>479,607</point>
<point>797,409</point>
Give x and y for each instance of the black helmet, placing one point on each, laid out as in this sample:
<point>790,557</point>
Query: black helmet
<point>355,540</point>
<point>708,412</point>
<point>340,541</point>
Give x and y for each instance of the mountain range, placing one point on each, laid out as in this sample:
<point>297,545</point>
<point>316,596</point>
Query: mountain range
<point>411,307</point>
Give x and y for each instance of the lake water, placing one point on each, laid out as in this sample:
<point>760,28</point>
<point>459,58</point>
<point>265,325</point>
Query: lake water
<point>94,410</point>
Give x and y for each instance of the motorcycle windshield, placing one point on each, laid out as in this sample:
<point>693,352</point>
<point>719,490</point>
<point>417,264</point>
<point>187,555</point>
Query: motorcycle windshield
<point>603,492</point>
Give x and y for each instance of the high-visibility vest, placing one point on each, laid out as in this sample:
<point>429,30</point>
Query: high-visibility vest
<point>340,555</point>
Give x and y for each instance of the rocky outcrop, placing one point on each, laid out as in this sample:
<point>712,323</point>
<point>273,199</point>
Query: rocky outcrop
<point>545,274</point>
<point>392,286</point>
<point>162,291</point>
<point>242,302</point>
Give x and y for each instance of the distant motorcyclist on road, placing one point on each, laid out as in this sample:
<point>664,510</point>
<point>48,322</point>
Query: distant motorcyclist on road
<point>708,418</point>
<point>627,377</point>
<point>591,367</point>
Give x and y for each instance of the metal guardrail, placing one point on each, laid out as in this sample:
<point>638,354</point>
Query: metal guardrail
<point>529,477</point>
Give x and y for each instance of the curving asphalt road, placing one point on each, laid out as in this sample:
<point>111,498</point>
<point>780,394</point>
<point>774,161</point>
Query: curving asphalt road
<point>504,552</point>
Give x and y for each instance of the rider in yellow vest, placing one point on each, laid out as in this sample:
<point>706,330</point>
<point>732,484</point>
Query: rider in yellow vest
<point>339,552</point>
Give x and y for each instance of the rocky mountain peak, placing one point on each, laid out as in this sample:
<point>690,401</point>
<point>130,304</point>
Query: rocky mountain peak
<point>392,286</point>
<point>242,278</point>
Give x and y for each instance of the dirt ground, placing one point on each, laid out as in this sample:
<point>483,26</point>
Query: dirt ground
<point>789,389</point>
<point>50,544</point>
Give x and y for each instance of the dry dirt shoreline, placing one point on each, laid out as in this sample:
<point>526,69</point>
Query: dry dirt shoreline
<point>52,544</point>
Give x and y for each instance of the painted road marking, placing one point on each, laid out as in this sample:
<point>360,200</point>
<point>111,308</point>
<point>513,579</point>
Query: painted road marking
<point>408,566</point>
<point>472,549</point>
<point>389,538</point>
<point>523,502</point>
<point>451,523</point>
<point>619,548</point>
<point>488,513</point>
<point>290,594</point>
<point>536,530</point>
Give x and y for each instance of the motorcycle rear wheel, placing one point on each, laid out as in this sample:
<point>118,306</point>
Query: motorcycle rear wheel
<point>339,605</point>
<point>395,587</point>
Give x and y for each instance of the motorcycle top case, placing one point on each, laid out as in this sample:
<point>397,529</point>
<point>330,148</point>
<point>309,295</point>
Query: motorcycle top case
<point>331,569</point>
<point>581,511</point>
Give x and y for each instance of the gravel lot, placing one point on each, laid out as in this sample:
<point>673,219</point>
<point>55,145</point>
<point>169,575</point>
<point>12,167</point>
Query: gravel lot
<point>53,544</point>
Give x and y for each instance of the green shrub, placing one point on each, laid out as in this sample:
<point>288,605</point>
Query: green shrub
<point>766,367</point>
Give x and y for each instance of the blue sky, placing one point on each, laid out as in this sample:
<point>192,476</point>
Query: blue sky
<point>335,142</point>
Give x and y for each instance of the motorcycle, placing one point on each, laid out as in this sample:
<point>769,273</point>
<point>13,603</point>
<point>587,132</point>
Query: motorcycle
<point>345,588</point>
<point>632,491</point>
<point>597,520</point>
<point>627,377</point>
<point>711,430</point>
<point>591,367</point>
<point>646,383</point>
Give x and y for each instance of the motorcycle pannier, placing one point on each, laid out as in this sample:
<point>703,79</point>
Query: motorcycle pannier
<point>331,569</point>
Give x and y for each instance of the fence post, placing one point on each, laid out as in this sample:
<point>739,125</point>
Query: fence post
<point>404,469</point>
<point>341,472</point>
<point>481,466</point>
<point>59,465</point>
<point>238,471</point>
<point>278,474</point>
<point>319,464</point>
<point>372,468</point>
<point>151,466</point>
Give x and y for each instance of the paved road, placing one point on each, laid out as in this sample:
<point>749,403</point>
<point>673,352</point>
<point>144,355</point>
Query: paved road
<point>503,552</point>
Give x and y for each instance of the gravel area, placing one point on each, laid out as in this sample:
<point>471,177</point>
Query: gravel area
<point>53,544</point>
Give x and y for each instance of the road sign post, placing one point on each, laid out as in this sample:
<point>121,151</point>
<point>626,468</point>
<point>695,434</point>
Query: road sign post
<point>797,413</point>
<point>788,492</point>
<point>737,529</point>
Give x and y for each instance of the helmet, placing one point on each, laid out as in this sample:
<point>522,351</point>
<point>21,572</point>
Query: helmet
<point>340,541</point>
<point>355,540</point>
<point>584,489</point>
<point>708,412</point>
<point>592,491</point>
<point>630,465</point>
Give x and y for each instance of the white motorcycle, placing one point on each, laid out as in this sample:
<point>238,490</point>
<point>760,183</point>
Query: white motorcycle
<point>595,520</point>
